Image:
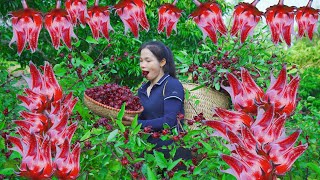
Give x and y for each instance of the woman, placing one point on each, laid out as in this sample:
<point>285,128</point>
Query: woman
<point>162,96</point>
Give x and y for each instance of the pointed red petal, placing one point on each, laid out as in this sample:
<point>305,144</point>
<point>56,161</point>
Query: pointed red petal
<point>18,144</point>
<point>51,82</point>
<point>263,121</point>
<point>280,146</point>
<point>75,157</point>
<point>36,77</point>
<point>236,165</point>
<point>220,126</point>
<point>249,140</point>
<point>291,157</point>
<point>250,84</point>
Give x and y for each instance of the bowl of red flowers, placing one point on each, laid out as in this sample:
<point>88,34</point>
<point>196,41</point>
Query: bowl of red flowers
<point>106,100</point>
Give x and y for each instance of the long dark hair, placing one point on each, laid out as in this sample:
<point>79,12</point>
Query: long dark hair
<point>160,51</point>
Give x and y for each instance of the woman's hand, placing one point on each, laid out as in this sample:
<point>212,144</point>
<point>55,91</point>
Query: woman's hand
<point>127,120</point>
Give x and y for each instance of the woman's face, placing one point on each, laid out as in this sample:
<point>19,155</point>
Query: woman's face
<point>150,66</point>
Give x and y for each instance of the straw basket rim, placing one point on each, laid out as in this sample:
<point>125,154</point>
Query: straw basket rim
<point>204,87</point>
<point>96,103</point>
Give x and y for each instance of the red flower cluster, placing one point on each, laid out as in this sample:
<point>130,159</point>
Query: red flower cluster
<point>99,20</point>
<point>132,13</point>
<point>169,16</point>
<point>208,17</point>
<point>59,25</point>
<point>44,129</point>
<point>27,23</point>
<point>280,19</point>
<point>259,146</point>
<point>307,19</point>
<point>77,9</point>
<point>245,18</point>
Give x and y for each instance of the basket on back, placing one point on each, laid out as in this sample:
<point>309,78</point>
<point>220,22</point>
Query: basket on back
<point>202,100</point>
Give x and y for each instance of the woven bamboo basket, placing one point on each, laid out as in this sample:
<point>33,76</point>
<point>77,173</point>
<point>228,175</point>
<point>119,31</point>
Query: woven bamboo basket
<point>106,111</point>
<point>202,100</point>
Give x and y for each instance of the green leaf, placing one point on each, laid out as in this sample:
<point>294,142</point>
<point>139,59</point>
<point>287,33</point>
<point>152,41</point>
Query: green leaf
<point>136,129</point>
<point>114,166</point>
<point>139,142</point>
<point>187,94</point>
<point>7,171</point>
<point>173,164</point>
<point>198,87</point>
<point>112,135</point>
<point>197,170</point>
<point>206,145</point>
<point>217,86</point>
<point>138,160</point>
<point>119,151</point>
<point>95,157</point>
<point>134,122</point>
<point>77,44</point>
<point>120,116</point>
<point>88,59</point>
<point>2,124</point>
<point>90,39</point>
<point>293,71</point>
<point>314,167</point>
<point>151,175</point>
<point>59,70</point>
<point>160,159</point>
<point>2,143</point>
<point>197,102</point>
<point>250,59</point>
<point>86,136</point>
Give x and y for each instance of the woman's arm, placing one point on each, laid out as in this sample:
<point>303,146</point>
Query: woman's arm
<point>172,107</point>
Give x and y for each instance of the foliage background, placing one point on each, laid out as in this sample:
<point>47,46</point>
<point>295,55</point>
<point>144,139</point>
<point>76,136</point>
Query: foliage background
<point>111,64</point>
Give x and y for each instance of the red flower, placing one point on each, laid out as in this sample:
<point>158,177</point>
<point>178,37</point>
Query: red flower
<point>33,122</point>
<point>26,24</point>
<point>245,18</point>
<point>99,20</point>
<point>280,19</point>
<point>77,9</point>
<point>43,89</point>
<point>281,94</point>
<point>66,163</point>
<point>208,17</point>
<point>59,130</point>
<point>268,127</point>
<point>259,150</point>
<point>169,16</point>
<point>243,94</point>
<point>58,23</point>
<point>36,156</point>
<point>45,128</point>
<point>132,13</point>
<point>307,19</point>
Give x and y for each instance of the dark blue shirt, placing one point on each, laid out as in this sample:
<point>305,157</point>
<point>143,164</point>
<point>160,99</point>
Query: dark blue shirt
<point>162,106</point>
